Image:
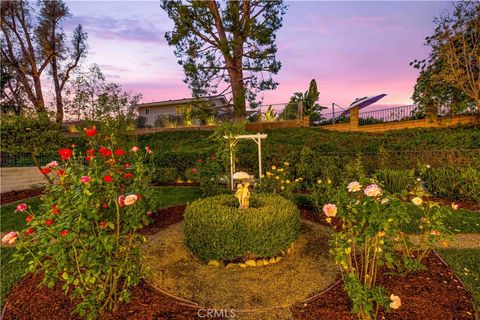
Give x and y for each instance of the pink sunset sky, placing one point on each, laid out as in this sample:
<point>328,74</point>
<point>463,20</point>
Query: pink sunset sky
<point>353,49</point>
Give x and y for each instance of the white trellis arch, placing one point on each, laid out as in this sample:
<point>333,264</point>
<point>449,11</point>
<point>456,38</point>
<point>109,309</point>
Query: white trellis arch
<point>233,142</point>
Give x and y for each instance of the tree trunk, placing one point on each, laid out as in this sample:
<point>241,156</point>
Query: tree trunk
<point>238,92</point>
<point>58,91</point>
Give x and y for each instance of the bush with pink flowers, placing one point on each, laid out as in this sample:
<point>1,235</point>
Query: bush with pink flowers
<point>86,230</point>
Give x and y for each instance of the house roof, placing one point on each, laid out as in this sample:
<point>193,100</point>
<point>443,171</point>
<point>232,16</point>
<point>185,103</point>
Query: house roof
<point>181,101</point>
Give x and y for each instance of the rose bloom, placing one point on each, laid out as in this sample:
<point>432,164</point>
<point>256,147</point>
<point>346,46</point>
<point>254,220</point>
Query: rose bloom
<point>330,210</point>
<point>108,179</point>
<point>29,231</point>
<point>103,224</point>
<point>10,238</point>
<point>119,152</point>
<point>135,149</point>
<point>88,158</point>
<point>105,152</point>
<point>91,131</point>
<point>64,233</point>
<point>85,179</point>
<point>45,170</point>
<point>128,175</point>
<point>91,152</point>
<point>127,165</point>
<point>49,222</point>
<point>396,302</point>
<point>60,172</point>
<point>65,154</point>
<point>148,150</point>
<point>373,190</point>
<point>121,200</point>
<point>105,205</point>
<point>194,170</point>
<point>131,199</point>
<point>29,218</point>
<point>55,209</point>
<point>149,213</point>
<point>199,160</point>
<point>354,186</point>
<point>417,201</point>
<point>21,207</point>
<point>52,164</point>
<point>454,206</point>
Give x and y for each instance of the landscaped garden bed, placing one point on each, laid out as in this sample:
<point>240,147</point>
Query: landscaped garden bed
<point>435,293</point>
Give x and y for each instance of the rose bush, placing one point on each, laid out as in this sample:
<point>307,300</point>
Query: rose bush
<point>86,230</point>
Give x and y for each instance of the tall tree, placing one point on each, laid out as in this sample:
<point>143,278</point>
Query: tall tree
<point>232,42</point>
<point>12,94</point>
<point>450,77</point>
<point>33,41</point>
<point>309,100</point>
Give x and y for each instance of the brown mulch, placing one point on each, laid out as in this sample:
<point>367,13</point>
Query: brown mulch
<point>435,293</point>
<point>12,196</point>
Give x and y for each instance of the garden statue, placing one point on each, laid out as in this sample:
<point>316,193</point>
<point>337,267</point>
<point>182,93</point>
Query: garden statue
<point>243,195</point>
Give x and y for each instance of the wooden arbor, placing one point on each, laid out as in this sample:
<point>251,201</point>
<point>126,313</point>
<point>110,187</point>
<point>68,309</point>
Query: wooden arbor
<point>233,142</point>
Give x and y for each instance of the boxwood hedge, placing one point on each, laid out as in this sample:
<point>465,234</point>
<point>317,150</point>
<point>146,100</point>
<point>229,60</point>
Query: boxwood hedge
<point>216,229</point>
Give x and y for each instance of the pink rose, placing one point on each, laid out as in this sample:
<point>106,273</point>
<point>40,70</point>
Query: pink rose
<point>52,164</point>
<point>10,238</point>
<point>21,207</point>
<point>149,213</point>
<point>131,199</point>
<point>354,186</point>
<point>85,179</point>
<point>135,149</point>
<point>330,210</point>
<point>148,150</point>
<point>121,200</point>
<point>454,206</point>
<point>373,190</point>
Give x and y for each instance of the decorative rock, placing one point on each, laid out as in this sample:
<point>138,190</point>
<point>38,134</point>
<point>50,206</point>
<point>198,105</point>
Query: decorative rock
<point>214,263</point>
<point>278,258</point>
<point>272,260</point>
<point>289,250</point>
<point>259,262</point>
<point>242,265</point>
<point>230,265</point>
<point>251,263</point>
<point>265,262</point>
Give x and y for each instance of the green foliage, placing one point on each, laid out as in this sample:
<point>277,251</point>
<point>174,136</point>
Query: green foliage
<point>209,173</point>
<point>216,229</point>
<point>309,101</point>
<point>165,175</point>
<point>454,182</point>
<point>270,115</point>
<point>85,231</point>
<point>396,181</point>
<point>279,180</point>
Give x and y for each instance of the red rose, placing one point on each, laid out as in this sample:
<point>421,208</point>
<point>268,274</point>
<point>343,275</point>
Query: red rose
<point>105,152</point>
<point>64,233</point>
<point>90,132</point>
<point>121,200</point>
<point>138,196</point>
<point>60,172</point>
<point>107,179</point>
<point>119,152</point>
<point>88,158</point>
<point>199,160</point>
<point>128,175</point>
<point>29,231</point>
<point>91,152</point>
<point>105,205</point>
<point>49,222</point>
<point>127,165</point>
<point>45,170</point>
<point>55,209</point>
<point>28,219</point>
<point>103,224</point>
<point>194,170</point>
<point>65,154</point>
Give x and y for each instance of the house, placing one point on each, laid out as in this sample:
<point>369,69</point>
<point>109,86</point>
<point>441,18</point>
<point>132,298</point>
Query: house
<point>159,113</point>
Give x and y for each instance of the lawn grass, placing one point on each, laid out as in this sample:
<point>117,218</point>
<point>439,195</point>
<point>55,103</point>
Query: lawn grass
<point>460,221</point>
<point>12,272</point>
<point>466,264</point>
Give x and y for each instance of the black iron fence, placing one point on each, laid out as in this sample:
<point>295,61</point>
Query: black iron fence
<point>410,112</point>
<point>333,118</point>
<point>22,160</point>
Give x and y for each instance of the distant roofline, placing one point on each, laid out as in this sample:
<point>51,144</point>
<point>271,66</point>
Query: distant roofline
<point>180,101</point>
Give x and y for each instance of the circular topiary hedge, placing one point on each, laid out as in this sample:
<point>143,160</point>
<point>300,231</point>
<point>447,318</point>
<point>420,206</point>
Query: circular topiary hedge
<point>216,229</point>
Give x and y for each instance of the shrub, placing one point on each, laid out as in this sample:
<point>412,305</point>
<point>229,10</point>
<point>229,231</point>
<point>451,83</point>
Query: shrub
<point>208,173</point>
<point>279,180</point>
<point>165,175</point>
<point>85,232</point>
<point>396,181</point>
<point>216,229</point>
<point>453,182</point>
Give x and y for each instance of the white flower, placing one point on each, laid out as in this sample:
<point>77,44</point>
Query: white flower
<point>373,190</point>
<point>354,186</point>
<point>417,201</point>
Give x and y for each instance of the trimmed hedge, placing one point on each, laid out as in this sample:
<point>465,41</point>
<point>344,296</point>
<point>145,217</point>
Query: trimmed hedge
<point>216,229</point>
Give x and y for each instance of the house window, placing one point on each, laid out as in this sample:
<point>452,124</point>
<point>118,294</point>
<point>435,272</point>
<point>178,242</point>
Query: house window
<point>147,111</point>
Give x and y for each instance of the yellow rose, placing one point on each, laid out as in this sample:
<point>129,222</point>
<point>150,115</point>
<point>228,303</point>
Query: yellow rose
<point>274,168</point>
<point>282,187</point>
<point>319,181</point>
<point>417,201</point>
<point>287,181</point>
<point>286,164</point>
<point>277,177</point>
<point>130,199</point>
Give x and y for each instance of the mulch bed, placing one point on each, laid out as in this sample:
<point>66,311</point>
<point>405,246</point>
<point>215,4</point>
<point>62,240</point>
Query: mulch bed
<point>435,293</point>
<point>12,196</point>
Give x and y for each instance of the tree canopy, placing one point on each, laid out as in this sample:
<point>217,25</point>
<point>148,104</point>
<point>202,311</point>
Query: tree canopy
<point>449,78</point>
<point>229,44</point>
